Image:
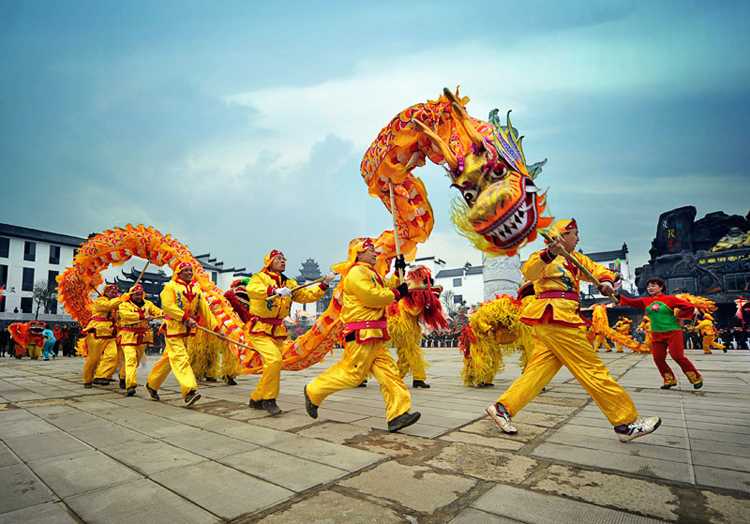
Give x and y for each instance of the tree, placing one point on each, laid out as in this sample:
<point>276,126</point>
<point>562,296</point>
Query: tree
<point>42,297</point>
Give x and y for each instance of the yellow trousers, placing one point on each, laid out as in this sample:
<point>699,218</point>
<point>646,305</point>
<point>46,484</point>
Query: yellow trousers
<point>175,359</point>
<point>358,362</point>
<point>34,351</point>
<point>110,360</point>
<point>410,358</point>
<point>601,340</point>
<point>556,346</point>
<point>709,343</point>
<point>270,351</point>
<point>132,355</point>
<point>96,348</point>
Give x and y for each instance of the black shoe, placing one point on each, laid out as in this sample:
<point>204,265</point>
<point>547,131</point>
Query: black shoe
<point>231,381</point>
<point>122,383</point>
<point>101,381</point>
<point>255,404</point>
<point>667,386</point>
<point>698,385</point>
<point>191,398</point>
<point>88,385</point>
<point>152,392</point>
<point>403,421</point>
<point>485,385</point>
<point>420,384</point>
<point>210,379</point>
<point>130,392</point>
<point>311,408</point>
<point>363,384</point>
<point>270,406</point>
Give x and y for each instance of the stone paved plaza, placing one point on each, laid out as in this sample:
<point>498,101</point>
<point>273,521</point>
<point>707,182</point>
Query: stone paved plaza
<point>68,454</point>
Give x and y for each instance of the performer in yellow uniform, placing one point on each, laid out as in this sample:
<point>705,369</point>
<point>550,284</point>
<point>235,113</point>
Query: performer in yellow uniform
<point>363,303</point>
<point>271,294</point>
<point>622,326</point>
<point>599,341</point>
<point>134,332</point>
<point>708,331</point>
<point>559,339</point>
<point>645,328</point>
<point>184,308</point>
<point>100,331</point>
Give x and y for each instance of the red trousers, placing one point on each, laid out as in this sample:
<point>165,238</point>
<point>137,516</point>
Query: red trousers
<point>675,344</point>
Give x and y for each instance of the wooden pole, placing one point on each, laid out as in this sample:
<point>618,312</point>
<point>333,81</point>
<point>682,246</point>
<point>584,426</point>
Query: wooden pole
<point>570,258</point>
<point>223,337</point>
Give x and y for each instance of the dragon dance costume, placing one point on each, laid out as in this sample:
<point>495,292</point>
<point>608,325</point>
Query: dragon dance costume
<point>271,295</point>
<point>622,326</point>
<point>365,298</point>
<point>183,304</point>
<point>666,333</point>
<point>134,333</point>
<point>406,318</point>
<point>559,340</point>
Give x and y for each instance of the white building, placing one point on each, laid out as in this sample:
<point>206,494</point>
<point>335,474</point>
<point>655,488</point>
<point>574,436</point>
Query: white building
<point>28,257</point>
<point>466,283</point>
<point>616,261</point>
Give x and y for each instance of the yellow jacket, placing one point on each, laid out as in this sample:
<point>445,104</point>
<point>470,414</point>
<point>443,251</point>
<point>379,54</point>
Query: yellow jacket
<point>549,274</point>
<point>132,327</point>
<point>267,310</point>
<point>365,298</point>
<point>102,323</point>
<point>706,327</point>
<point>181,301</point>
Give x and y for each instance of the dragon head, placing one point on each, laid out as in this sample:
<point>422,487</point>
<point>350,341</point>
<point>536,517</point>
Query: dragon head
<point>500,208</point>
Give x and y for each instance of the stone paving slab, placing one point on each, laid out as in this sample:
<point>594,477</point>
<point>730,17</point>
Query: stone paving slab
<point>112,459</point>
<point>49,513</point>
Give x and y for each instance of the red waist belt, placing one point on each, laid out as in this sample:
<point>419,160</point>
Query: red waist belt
<point>565,295</point>
<point>133,330</point>
<point>271,321</point>
<point>366,324</point>
<point>101,319</point>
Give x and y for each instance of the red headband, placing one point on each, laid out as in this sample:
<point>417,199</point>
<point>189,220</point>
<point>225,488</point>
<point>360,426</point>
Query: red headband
<point>368,244</point>
<point>136,289</point>
<point>572,225</point>
<point>183,265</point>
<point>275,253</point>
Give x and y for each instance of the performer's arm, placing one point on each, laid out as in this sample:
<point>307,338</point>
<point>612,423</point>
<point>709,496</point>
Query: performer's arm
<point>258,289</point>
<point>206,314</point>
<point>129,315</point>
<point>534,267</point>
<point>686,309</point>
<point>360,284</point>
<point>169,304</point>
<point>601,273</point>
<point>307,294</point>
<point>153,310</point>
<point>637,303</point>
<point>104,305</point>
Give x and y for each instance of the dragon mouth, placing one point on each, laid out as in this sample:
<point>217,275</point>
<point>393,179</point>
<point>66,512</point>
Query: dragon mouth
<point>514,226</point>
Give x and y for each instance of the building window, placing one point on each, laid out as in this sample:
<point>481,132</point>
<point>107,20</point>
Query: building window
<point>29,251</point>
<point>75,253</point>
<point>28,279</point>
<point>52,280</point>
<point>54,254</point>
<point>681,285</point>
<point>214,277</point>
<point>27,304</point>
<point>51,306</point>
<point>737,282</point>
<point>458,299</point>
<point>3,276</point>
<point>456,282</point>
<point>4,247</point>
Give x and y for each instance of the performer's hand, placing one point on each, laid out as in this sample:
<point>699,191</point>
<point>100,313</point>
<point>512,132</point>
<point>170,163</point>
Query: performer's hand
<point>189,322</point>
<point>606,289</point>
<point>283,292</point>
<point>329,278</point>
<point>403,290</point>
<point>399,264</point>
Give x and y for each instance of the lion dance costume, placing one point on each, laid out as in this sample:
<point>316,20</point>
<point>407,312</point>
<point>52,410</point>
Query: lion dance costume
<point>708,333</point>
<point>406,319</point>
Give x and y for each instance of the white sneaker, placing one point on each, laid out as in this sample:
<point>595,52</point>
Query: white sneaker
<point>642,426</point>
<point>500,416</point>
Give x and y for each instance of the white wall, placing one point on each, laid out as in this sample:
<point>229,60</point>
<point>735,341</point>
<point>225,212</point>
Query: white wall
<point>41,266</point>
<point>471,287</point>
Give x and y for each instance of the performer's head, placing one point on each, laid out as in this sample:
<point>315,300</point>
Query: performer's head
<point>274,261</point>
<point>184,271</point>
<point>111,291</point>
<point>136,293</point>
<point>366,251</point>
<point>655,285</point>
<point>566,230</point>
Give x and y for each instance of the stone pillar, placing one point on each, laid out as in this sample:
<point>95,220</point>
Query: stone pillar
<point>501,275</point>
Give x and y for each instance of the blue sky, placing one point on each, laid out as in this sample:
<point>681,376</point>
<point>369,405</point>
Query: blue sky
<point>239,126</point>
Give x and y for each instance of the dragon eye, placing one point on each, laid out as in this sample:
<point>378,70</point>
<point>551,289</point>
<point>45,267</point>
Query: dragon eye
<point>498,175</point>
<point>470,195</point>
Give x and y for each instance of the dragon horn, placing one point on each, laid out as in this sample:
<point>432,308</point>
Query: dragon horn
<point>463,118</point>
<point>450,158</point>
